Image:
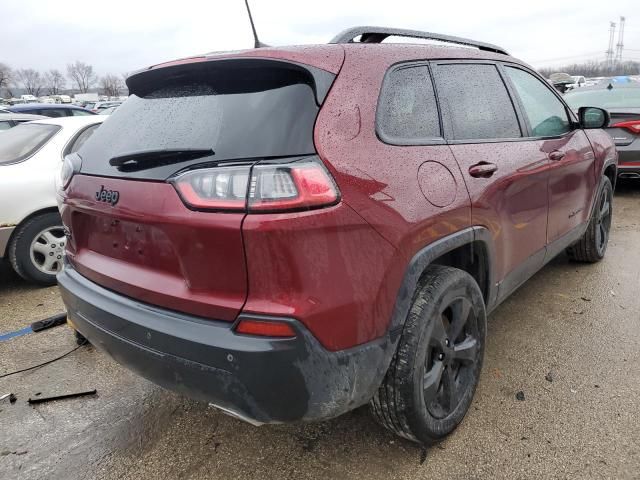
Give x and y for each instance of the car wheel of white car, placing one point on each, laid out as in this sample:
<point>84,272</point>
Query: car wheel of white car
<point>37,249</point>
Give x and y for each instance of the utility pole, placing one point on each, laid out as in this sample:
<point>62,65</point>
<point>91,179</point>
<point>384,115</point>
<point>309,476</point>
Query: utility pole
<point>620,44</point>
<point>609,52</point>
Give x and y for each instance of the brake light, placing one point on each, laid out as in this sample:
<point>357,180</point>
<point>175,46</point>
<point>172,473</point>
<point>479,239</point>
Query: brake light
<point>633,126</point>
<point>70,166</point>
<point>287,187</point>
<point>271,187</point>
<point>223,188</point>
<point>265,328</point>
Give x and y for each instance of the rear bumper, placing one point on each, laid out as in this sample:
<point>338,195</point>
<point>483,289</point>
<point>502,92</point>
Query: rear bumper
<point>258,379</point>
<point>629,161</point>
<point>629,170</point>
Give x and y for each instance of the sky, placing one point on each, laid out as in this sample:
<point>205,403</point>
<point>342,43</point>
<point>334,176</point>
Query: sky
<point>122,36</point>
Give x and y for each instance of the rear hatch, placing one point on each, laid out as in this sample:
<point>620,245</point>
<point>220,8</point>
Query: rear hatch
<point>131,231</point>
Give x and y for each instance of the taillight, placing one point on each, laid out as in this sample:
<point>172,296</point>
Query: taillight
<point>70,166</point>
<point>222,188</point>
<point>633,126</point>
<point>265,328</point>
<point>270,187</point>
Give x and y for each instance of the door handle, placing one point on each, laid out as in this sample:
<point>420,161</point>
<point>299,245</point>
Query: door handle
<point>482,169</point>
<point>556,155</point>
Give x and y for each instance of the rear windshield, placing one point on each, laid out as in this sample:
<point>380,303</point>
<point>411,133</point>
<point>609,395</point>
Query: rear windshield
<point>234,109</point>
<point>614,98</point>
<point>19,143</point>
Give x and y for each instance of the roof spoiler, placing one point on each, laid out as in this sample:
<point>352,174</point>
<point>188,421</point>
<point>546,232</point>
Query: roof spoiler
<point>378,34</point>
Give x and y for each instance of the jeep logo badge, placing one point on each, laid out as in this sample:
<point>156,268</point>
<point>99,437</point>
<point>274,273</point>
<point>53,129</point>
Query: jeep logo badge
<point>107,196</point>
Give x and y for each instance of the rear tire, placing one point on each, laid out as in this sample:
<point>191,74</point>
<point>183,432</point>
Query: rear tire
<point>434,373</point>
<point>37,247</point>
<point>593,244</point>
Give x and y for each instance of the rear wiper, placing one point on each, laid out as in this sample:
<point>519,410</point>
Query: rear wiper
<point>145,159</point>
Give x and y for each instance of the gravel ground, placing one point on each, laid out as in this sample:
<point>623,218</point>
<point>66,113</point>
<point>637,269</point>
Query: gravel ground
<point>568,339</point>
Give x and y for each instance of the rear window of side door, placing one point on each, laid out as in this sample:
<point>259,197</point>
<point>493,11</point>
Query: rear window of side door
<point>504,171</point>
<point>554,129</point>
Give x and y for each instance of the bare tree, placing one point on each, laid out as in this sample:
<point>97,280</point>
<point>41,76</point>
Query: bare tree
<point>82,75</point>
<point>54,81</point>
<point>30,80</point>
<point>595,69</point>
<point>111,85</point>
<point>5,76</point>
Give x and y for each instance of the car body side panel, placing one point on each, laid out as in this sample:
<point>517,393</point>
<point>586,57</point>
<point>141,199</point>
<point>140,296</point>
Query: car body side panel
<point>327,268</point>
<point>572,183</point>
<point>382,182</point>
<point>604,150</point>
<point>512,203</point>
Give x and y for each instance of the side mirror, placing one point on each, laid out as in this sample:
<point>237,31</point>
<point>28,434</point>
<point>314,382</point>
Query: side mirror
<point>593,117</point>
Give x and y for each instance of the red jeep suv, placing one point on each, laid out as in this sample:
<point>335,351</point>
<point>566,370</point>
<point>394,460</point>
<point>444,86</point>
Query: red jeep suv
<point>291,233</point>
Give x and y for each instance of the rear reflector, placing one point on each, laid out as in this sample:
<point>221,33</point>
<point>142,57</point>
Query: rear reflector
<point>265,328</point>
<point>633,126</point>
<point>270,187</point>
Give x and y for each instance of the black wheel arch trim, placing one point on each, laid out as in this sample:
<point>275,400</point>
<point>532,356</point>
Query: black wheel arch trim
<point>426,256</point>
<point>611,161</point>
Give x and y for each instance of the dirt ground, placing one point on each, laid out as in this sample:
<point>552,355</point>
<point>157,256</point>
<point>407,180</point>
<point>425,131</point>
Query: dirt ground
<point>577,325</point>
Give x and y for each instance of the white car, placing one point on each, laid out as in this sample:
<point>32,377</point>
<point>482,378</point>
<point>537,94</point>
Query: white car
<point>31,154</point>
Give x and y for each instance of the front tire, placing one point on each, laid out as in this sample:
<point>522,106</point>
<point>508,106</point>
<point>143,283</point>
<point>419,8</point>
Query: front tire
<point>37,248</point>
<point>593,244</point>
<point>434,373</point>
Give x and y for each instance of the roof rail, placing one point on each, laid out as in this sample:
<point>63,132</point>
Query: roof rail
<point>378,34</point>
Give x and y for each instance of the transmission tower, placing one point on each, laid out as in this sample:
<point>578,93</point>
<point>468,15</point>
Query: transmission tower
<point>609,52</point>
<point>620,44</point>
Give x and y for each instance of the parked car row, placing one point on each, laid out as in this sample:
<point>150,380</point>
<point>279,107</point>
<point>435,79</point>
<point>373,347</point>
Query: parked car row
<point>98,107</point>
<point>50,110</point>
<point>9,120</point>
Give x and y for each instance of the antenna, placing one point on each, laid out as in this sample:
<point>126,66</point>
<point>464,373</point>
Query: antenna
<point>257,42</point>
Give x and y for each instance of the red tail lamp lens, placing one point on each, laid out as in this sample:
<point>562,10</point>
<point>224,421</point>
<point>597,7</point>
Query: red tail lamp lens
<point>633,126</point>
<point>297,185</point>
<point>271,187</point>
<point>265,328</point>
<point>223,188</point>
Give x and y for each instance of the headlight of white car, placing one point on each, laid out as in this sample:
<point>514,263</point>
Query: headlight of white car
<point>70,166</point>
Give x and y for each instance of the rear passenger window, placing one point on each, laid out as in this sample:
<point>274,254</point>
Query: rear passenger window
<point>476,102</point>
<point>547,115</point>
<point>407,111</point>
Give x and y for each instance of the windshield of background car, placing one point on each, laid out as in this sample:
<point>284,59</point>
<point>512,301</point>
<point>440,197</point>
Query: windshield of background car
<point>21,142</point>
<point>614,98</point>
<point>237,109</point>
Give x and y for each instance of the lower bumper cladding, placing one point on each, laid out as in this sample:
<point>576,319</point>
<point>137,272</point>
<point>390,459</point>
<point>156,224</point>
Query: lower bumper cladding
<point>257,379</point>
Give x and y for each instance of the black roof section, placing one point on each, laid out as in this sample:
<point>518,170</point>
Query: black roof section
<point>378,34</point>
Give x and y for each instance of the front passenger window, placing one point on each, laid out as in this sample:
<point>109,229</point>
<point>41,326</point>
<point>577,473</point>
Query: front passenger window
<point>547,115</point>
